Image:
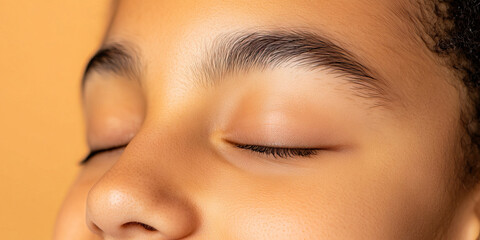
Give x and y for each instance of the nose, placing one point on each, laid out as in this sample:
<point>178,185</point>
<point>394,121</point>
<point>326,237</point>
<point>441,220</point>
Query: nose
<point>133,201</point>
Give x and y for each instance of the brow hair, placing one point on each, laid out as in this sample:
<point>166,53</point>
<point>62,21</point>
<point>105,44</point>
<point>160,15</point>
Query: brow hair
<point>240,52</point>
<point>115,58</point>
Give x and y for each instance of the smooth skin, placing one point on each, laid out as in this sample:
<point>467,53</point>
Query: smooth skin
<point>385,171</point>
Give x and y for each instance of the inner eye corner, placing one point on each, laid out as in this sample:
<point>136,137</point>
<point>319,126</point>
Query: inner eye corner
<point>230,142</point>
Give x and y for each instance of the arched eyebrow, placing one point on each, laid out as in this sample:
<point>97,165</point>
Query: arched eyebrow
<point>240,52</point>
<point>118,58</point>
<point>243,51</point>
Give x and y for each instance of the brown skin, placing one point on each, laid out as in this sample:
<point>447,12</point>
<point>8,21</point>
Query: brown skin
<point>390,175</point>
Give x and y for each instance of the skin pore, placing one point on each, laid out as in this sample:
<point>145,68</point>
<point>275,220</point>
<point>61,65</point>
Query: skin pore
<point>268,120</point>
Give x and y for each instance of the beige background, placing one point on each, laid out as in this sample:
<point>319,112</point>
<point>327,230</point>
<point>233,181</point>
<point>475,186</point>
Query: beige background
<point>44,46</point>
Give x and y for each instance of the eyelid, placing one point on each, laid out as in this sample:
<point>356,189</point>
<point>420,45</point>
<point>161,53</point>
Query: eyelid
<point>98,151</point>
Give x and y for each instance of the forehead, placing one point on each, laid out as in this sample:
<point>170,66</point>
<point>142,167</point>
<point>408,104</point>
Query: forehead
<point>357,22</point>
<point>173,34</point>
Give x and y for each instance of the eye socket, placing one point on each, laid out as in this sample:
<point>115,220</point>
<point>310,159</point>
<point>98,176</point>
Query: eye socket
<point>94,153</point>
<point>280,152</point>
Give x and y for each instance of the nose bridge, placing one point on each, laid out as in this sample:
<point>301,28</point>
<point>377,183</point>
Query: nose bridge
<point>144,193</point>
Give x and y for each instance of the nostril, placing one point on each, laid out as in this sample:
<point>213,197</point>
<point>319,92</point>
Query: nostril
<point>145,226</point>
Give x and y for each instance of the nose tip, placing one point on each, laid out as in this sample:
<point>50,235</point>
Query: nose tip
<point>124,213</point>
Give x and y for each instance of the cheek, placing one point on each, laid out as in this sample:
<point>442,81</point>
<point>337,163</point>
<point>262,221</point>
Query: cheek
<point>271,223</point>
<point>303,213</point>
<point>344,200</point>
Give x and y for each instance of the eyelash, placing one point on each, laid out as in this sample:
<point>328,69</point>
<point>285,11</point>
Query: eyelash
<point>279,151</point>
<point>272,151</point>
<point>96,152</point>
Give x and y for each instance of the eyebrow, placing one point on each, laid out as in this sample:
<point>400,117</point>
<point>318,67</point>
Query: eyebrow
<point>243,51</point>
<point>115,58</point>
<point>239,52</point>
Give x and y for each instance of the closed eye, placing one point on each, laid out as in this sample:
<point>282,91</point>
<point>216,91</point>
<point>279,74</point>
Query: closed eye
<point>99,151</point>
<point>280,152</point>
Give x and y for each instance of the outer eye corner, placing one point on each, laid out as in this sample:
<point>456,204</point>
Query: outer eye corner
<point>85,159</point>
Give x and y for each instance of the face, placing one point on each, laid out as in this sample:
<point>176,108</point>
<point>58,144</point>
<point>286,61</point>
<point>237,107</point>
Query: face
<point>266,120</point>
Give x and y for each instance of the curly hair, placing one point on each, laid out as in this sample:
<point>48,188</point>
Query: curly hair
<point>456,37</point>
